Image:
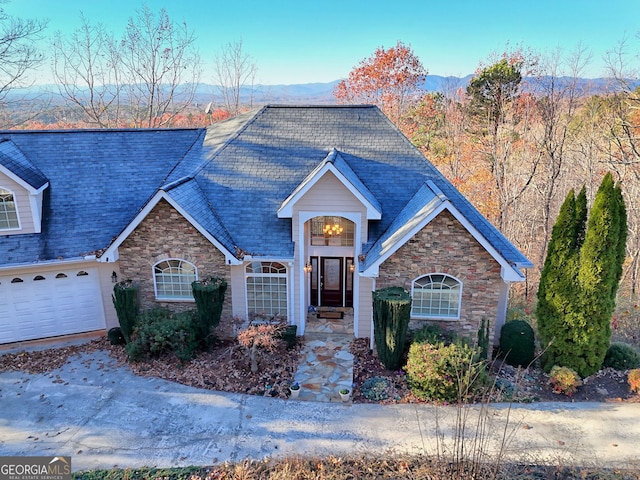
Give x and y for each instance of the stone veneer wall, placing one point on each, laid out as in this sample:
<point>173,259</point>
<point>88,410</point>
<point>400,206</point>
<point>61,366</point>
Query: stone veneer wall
<point>445,246</point>
<point>164,234</point>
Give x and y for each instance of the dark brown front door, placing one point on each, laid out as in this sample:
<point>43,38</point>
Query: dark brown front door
<point>331,275</point>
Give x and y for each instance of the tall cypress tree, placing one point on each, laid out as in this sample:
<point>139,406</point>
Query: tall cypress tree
<point>601,260</point>
<point>580,280</point>
<point>558,283</point>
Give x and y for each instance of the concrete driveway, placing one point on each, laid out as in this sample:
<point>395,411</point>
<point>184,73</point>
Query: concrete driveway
<point>103,416</point>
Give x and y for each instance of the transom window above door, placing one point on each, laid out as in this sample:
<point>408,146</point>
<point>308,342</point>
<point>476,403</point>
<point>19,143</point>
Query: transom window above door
<point>332,231</point>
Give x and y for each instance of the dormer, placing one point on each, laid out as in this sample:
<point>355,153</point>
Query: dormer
<point>21,190</point>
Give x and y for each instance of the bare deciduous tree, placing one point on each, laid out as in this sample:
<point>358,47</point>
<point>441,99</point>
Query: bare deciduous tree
<point>160,66</point>
<point>18,56</point>
<point>234,70</point>
<point>559,94</point>
<point>86,70</point>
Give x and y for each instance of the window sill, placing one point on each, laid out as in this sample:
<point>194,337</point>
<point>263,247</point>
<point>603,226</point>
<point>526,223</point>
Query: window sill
<point>439,319</point>
<point>175,300</point>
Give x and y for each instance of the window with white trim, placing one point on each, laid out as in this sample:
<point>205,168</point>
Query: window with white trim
<point>266,289</point>
<point>436,296</point>
<point>173,278</point>
<point>8,211</point>
<point>333,231</point>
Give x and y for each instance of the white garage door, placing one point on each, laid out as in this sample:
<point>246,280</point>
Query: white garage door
<point>49,304</point>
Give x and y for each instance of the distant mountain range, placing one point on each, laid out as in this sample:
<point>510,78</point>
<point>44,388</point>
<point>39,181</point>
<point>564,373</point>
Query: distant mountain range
<point>312,93</point>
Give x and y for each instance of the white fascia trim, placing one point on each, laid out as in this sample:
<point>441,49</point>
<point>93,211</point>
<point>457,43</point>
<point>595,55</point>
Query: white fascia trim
<point>21,182</point>
<point>47,263</point>
<point>111,254</point>
<point>508,272</point>
<point>253,258</point>
<point>35,203</point>
<point>286,209</point>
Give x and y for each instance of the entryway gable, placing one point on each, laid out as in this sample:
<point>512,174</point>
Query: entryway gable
<point>332,167</point>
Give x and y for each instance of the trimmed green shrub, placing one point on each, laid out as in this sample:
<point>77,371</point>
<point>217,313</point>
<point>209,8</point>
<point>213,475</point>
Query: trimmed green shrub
<point>622,356</point>
<point>115,336</point>
<point>125,301</point>
<point>483,339</point>
<point>517,343</point>
<point>209,297</point>
<point>159,331</point>
<point>391,315</point>
<point>445,373</point>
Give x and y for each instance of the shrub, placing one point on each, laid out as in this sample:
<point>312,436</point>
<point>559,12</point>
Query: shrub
<point>391,315</point>
<point>159,331</point>
<point>634,380</point>
<point>115,336</point>
<point>564,380</point>
<point>444,372</point>
<point>432,333</point>
<point>289,335</point>
<point>125,301</point>
<point>483,339</point>
<point>266,336</point>
<point>209,297</point>
<point>375,388</point>
<point>621,356</point>
<point>517,343</point>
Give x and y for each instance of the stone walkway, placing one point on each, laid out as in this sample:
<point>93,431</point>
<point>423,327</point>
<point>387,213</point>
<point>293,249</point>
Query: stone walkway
<point>326,366</point>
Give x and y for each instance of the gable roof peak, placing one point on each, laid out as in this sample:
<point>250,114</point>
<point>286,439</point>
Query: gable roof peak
<point>16,165</point>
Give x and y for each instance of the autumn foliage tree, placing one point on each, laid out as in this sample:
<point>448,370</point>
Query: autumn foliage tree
<point>392,79</point>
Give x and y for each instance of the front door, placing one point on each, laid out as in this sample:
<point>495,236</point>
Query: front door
<point>331,281</point>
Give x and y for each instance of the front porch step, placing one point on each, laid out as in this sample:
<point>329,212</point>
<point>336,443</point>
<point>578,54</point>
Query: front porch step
<point>321,324</point>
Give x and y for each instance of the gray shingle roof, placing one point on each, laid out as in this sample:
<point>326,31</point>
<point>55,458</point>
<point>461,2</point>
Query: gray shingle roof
<point>99,180</point>
<point>279,146</point>
<point>231,178</point>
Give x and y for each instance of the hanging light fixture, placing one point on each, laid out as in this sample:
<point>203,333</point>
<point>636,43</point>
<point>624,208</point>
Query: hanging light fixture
<point>335,229</point>
<point>308,268</point>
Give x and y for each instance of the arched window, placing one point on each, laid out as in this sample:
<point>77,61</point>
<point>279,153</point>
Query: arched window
<point>266,289</point>
<point>333,231</point>
<point>436,296</point>
<point>173,279</point>
<point>8,212</point>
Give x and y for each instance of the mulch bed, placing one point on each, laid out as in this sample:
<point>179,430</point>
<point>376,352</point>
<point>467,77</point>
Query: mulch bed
<point>530,385</point>
<point>226,368</point>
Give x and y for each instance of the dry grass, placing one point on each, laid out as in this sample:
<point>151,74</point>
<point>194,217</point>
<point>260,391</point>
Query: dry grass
<point>338,468</point>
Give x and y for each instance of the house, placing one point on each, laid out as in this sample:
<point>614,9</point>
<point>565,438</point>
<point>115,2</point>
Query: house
<point>295,206</point>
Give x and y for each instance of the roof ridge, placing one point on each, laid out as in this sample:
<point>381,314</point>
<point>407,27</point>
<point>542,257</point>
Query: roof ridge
<point>229,139</point>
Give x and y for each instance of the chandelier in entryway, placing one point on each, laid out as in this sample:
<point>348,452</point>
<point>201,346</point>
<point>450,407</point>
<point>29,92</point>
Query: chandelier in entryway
<point>334,229</point>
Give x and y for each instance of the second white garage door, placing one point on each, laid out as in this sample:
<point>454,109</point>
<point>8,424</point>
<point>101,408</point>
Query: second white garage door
<point>49,304</point>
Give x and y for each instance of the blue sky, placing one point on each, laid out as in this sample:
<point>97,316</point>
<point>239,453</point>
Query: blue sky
<point>305,41</point>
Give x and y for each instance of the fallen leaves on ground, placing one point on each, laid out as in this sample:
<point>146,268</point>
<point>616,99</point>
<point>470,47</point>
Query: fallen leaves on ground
<point>226,368</point>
